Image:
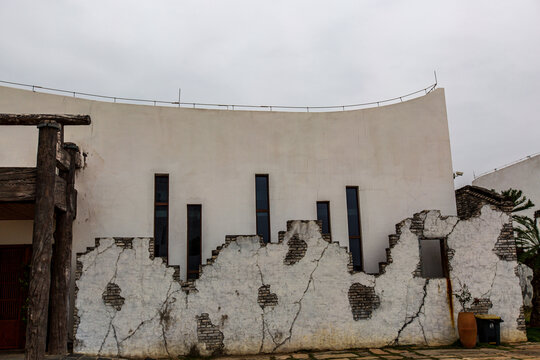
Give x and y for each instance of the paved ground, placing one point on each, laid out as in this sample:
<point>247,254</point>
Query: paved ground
<point>512,351</point>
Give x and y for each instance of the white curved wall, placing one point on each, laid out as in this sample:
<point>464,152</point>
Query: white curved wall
<point>398,156</point>
<point>524,175</point>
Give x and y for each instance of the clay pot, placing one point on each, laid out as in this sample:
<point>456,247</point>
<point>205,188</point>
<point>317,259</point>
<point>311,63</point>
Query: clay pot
<point>467,329</point>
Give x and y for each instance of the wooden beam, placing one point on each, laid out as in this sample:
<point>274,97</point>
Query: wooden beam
<point>61,263</point>
<point>62,159</point>
<point>76,156</point>
<point>40,277</point>
<point>60,194</point>
<point>36,119</point>
<point>19,184</point>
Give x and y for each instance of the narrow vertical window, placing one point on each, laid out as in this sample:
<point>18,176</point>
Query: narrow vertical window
<point>323,215</point>
<point>355,233</point>
<point>161,215</point>
<point>262,204</point>
<point>194,235</point>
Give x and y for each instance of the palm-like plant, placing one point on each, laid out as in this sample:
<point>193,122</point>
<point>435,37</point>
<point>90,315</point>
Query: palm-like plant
<point>527,238</point>
<point>520,202</point>
<point>528,241</point>
<point>528,249</point>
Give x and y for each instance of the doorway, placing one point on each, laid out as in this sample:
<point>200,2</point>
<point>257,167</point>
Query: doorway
<point>14,278</point>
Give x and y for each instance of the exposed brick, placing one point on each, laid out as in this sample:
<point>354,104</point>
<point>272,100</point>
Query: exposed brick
<point>505,247</point>
<point>266,298</point>
<point>350,265</point>
<point>470,199</point>
<point>418,270</point>
<point>480,306</point>
<point>417,225</point>
<point>291,222</point>
<point>176,273</point>
<point>151,249</point>
<point>76,322</point>
<point>124,242</point>
<point>297,250</point>
<point>393,240</point>
<point>521,320</point>
<point>78,269</point>
<point>363,301</point>
<point>188,286</point>
<point>111,296</point>
<point>209,334</point>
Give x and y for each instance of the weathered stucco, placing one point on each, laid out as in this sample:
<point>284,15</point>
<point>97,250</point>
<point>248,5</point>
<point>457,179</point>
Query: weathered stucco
<point>525,280</point>
<point>253,298</point>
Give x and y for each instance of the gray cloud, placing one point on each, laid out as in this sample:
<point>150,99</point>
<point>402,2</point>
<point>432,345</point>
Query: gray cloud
<point>296,53</point>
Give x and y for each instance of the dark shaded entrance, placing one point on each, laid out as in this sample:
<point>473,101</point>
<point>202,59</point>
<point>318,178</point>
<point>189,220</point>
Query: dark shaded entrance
<point>14,277</point>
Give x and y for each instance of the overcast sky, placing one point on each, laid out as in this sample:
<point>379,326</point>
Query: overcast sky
<point>486,54</point>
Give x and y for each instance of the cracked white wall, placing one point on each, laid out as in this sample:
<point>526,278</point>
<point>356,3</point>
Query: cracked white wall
<point>525,281</point>
<point>313,311</point>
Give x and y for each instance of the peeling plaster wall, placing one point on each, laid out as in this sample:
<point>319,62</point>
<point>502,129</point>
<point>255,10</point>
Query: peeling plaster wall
<point>249,300</point>
<point>525,280</point>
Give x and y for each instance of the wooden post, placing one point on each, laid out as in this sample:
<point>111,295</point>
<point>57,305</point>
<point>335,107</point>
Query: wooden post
<point>40,279</point>
<point>61,264</point>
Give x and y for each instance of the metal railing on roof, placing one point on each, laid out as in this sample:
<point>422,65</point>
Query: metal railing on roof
<point>507,165</point>
<point>195,105</point>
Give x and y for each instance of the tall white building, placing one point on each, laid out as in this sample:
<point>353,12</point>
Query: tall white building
<point>522,175</point>
<point>190,177</point>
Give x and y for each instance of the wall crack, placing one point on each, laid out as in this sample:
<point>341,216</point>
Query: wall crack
<point>408,321</point>
<point>107,334</point>
<point>485,295</point>
<point>299,302</point>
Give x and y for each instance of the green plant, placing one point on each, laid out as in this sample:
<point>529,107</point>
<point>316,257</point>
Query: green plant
<point>463,295</point>
<point>518,199</point>
<point>527,238</point>
<point>528,241</point>
<point>533,334</point>
<point>528,248</point>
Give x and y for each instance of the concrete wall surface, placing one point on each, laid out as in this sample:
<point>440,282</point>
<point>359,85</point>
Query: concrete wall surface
<point>525,281</point>
<point>296,294</point>
<point>523,175</point>
<point>398,156</point>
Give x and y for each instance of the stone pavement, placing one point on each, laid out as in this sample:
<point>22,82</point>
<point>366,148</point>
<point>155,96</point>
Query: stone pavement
<point>517,351</point>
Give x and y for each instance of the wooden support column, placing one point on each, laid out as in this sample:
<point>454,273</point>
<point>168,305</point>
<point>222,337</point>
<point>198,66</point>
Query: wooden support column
<point>40,279</point>
<point>61,264</point>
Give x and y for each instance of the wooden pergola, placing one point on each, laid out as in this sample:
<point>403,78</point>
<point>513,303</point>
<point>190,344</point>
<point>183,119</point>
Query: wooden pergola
<point>44,195</point>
